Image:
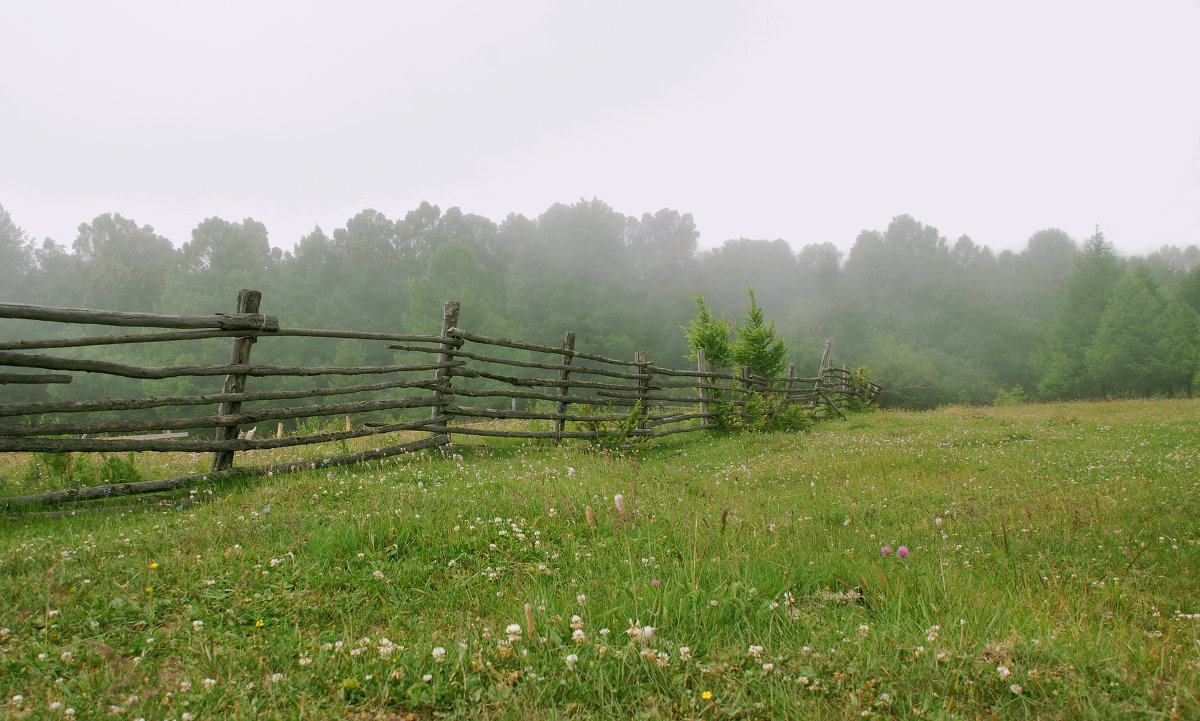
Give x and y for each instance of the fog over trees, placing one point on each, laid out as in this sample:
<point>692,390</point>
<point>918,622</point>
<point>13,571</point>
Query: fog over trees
<point>936,321</point>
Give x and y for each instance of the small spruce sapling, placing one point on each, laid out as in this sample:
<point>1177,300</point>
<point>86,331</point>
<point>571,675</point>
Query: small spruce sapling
<point>757,347</point>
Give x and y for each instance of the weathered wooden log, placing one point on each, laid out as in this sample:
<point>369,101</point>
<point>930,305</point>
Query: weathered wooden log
<point>647,398</point>
<point>832,406</point>
<point>643,388</point>
<point>540,435</point>
<point>99,340</point>
<point>226,321</point>
<point>440,415</point>
<point>53,498</point>
<point>564,374</point>
<point>248,302</point>
<point>668,419</point>
<point>578,369</point>
<point>102,445</point>
<point>521,345</point>
<point>33,378</point>
<point>232,418</point>
<point>21,360</point>
<point>714,374</point>
<point>128,404</point>
<point>499,414</point>
<point>535,382</point>
<point>528,395</point>
<point>357,335</point>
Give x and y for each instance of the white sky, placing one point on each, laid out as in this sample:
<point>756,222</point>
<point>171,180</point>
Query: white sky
<point>807,121</point>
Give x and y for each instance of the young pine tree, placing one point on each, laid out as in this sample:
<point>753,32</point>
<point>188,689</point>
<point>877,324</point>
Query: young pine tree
<point>757,347</point>
<point>710,334</point>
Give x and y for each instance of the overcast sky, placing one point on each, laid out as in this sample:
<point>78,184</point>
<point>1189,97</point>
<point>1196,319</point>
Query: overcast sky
<point>807,121</point>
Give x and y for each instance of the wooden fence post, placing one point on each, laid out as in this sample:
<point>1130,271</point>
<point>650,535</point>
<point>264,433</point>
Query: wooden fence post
<point>643,388</point>
<point>248,302</point>
<point>443,376</point>
<point>702,366</point>
<point>820,377</point>
<point>560,407</point>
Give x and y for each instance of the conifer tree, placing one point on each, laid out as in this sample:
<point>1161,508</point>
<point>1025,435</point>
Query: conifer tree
<point>757,346</point>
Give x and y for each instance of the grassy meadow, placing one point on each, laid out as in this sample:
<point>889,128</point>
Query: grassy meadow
<point>1041,561</point>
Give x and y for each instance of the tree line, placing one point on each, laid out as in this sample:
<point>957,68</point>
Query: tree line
<point>935,321</point>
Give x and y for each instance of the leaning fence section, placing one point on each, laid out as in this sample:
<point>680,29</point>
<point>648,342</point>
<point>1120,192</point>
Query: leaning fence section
<point>455,383</point>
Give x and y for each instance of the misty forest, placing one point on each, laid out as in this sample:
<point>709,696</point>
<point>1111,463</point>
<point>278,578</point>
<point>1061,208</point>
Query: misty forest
<point>934,321</point>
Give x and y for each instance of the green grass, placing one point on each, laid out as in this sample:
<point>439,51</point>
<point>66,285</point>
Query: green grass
<point>1060,583</point>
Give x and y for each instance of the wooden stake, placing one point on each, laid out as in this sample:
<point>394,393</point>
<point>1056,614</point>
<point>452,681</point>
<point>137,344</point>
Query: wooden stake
<point>560,406</point>
<point>248,302</point>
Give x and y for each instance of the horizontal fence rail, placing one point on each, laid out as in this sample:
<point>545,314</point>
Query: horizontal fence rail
<point>436,388</point>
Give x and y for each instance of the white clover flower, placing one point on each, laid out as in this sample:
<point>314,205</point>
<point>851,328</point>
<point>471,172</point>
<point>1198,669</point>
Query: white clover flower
<point>439,654</point>
<point>863,630</point>
<point>427,677</point>
<point>581,599</point>
<point>576,622</point>
<point>1016,688</point>
<point>513,631</point>
<point>571,660</point>
<point>685,653</point>
<point>1003,671</point>
<point>756,652</point>
<point>578,636</point>
<point>378,575</point>
<point>208,683</point>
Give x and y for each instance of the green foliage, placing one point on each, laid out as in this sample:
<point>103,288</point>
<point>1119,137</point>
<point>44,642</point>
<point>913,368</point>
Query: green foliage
<point>757,346</point>
<point>1015,397</point>
<point>1146,341</point>
<point>1121,355</point>
<point>1066,373</point>
<point>862,392</point>
<point>710,334</point>
<point>759,413</point>
<point>72,470</point>
<point>610,435</point>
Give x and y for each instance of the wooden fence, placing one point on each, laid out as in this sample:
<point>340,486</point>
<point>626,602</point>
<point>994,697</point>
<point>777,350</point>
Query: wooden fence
<point>441,389</point>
